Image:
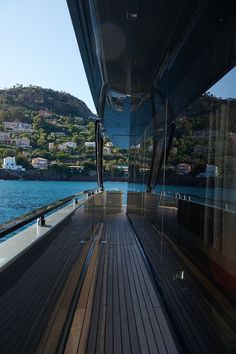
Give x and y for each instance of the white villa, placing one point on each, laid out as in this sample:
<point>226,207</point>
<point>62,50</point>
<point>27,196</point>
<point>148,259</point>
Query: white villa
<point>66,145</point>
<point>9,163</point>
<point>90,144</point>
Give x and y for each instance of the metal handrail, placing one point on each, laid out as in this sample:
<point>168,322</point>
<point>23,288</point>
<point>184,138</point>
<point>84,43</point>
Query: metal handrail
<point>225,205</point>
<point>185,196</point>
<point>25,219</point>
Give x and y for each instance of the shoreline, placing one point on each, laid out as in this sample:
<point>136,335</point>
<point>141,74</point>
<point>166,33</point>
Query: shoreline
<point>45,175</point>
<point>176,180</point>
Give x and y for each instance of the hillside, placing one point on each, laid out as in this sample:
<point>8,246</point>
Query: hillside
<point>38,122</point>
<point>35,98</point>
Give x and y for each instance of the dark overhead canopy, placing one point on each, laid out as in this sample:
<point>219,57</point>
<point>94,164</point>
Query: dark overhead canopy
<point>138,54</point>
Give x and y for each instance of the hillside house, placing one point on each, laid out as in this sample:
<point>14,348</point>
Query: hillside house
<point>39,163</point>
<point>67,145</point>
<point>211,171</point>
<point>23,142</point>
<point>183,168</point>
<point>199,149</point>
<point>50,146</point>
<point>5,138</point>
<point>90,144</point>
<point>106,151</point>
<point>9,163</point>
<point>18,126</point>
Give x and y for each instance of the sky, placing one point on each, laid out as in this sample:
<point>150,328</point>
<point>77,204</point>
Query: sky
<point>38,47</point>
<point>226,87</point>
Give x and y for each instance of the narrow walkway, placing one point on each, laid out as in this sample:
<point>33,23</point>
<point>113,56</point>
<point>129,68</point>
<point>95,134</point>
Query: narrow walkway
<point>120,309</point>
<point>126,316</point>
<point>31,287</point>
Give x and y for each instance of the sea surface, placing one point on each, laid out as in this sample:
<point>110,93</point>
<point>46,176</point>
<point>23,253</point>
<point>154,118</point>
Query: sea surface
<point>20,197</point>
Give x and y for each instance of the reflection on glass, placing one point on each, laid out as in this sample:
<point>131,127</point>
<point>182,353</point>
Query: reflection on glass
<point>187,223</point>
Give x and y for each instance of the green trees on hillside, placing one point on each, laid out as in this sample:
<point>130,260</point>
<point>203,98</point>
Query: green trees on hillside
<point>37,98</point>
<point>58,118</point>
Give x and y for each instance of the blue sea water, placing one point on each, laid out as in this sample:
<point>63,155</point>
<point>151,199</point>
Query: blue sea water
<point>20,197</point>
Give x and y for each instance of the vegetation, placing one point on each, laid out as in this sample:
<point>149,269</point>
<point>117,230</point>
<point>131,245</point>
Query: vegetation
<point>56,118</point>
<point>20,103</point>
<point>205,134</point>
<point>205,116</point>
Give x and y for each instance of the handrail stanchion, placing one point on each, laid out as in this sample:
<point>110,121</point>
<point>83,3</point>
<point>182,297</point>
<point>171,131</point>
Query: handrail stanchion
<point>39,214</point>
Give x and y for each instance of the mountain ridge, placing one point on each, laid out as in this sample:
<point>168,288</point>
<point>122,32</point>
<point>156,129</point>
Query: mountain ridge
<point>36,98</point>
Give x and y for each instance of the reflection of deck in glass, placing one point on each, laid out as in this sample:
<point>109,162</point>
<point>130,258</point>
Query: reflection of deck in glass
<point>105,278</point>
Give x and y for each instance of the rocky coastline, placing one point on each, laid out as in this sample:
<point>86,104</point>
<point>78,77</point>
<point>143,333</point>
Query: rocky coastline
<point>53,175</point>
<point>49,175</point>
